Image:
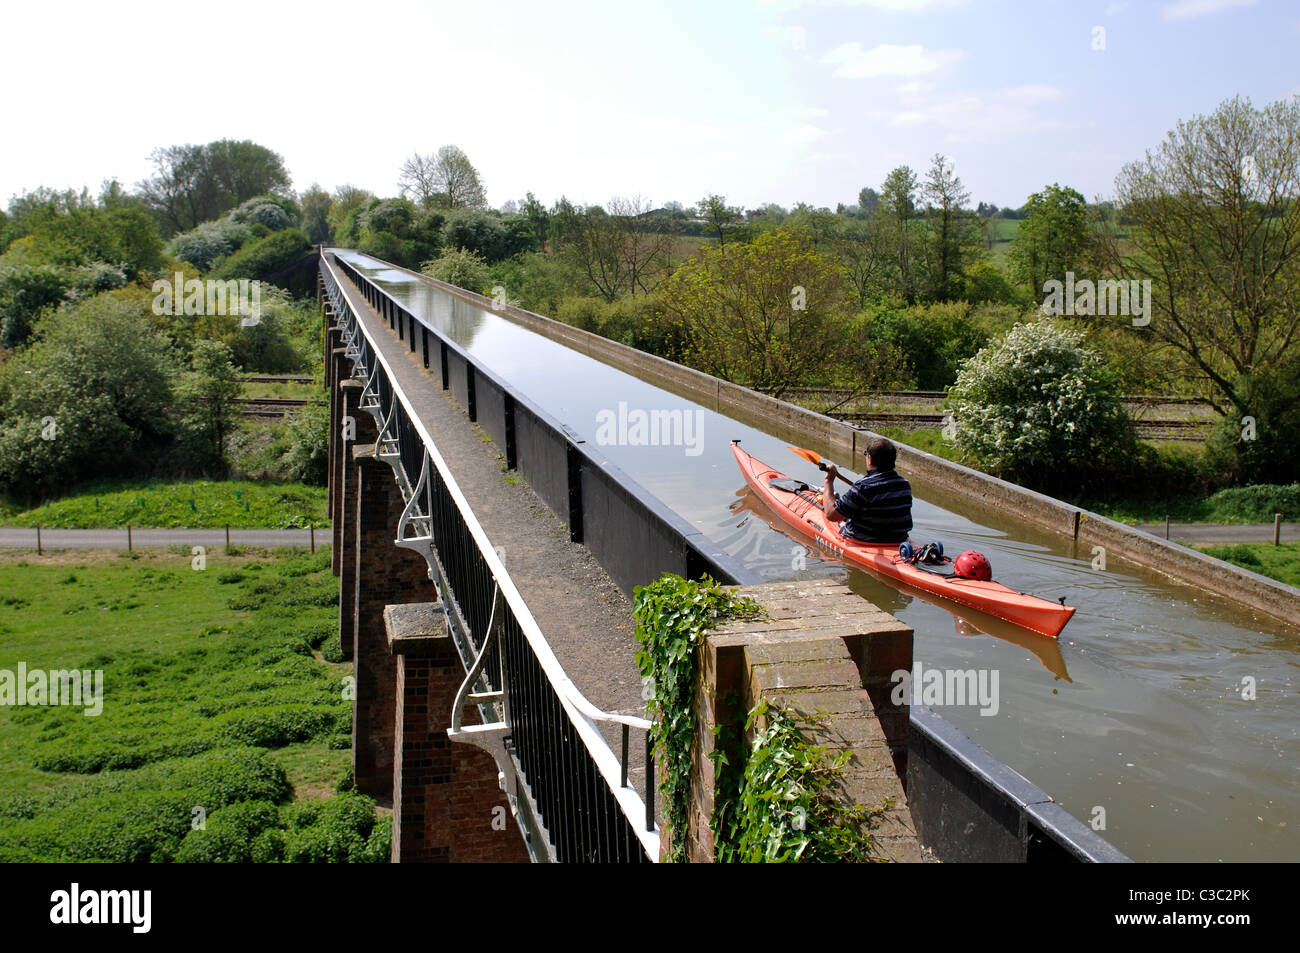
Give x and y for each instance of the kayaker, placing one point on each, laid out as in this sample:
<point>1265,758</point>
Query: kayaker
<point>876,509</point>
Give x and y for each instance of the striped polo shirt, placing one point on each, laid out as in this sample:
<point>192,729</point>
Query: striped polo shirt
<point>877,509</point>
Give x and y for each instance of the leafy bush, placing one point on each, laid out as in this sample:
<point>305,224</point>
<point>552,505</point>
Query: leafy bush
<point>464,269</point>
<point>212,240</point>
<point>1039,407</point>
<point>536,281</point>
<point>25,290</point>
<point>126,236</point>
<point>340,830</point>
<point>140,815</point>
<point>1239,554</point>
<point>936,339</point>
<point>277,725</point>
<point>308,453</point>
<point>1257,503</point>
<point>267,258</point>
<point>785,806</point>
<point>103,374</point>
<point>247,832</point>
<point>636,322</point>
<point>985,281</point>
<point>262,211</point>
<point>485,234</point>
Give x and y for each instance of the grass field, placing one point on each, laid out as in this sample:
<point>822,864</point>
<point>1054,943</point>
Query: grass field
<point>223,731</point>
<point>199,504</point>
<point>1278,562</point>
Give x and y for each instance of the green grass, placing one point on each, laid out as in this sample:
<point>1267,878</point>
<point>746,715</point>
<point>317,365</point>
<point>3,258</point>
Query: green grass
<point>214,696</point>
<point>931,441</point>
<point>199,504</point>
<point>1278,562</point>
<point>1237,504</point>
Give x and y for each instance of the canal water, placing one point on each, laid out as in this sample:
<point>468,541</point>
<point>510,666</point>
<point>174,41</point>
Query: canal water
<point>1135,721</point>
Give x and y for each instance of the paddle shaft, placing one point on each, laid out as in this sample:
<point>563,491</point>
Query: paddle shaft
<point>837,473</point>
<point>812,456</point>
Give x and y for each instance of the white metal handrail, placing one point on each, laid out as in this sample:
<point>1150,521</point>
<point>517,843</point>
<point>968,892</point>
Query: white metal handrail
<point>582,712</point>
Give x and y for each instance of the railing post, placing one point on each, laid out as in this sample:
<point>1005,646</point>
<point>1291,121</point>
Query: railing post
<point>574,460</point>
<point>470,397</point>
<point>512,452</point>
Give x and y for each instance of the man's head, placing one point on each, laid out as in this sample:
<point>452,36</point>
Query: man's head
<point>880,454</point>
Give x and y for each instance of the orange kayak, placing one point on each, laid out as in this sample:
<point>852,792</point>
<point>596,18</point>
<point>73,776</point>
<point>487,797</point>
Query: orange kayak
<point>800,510</point>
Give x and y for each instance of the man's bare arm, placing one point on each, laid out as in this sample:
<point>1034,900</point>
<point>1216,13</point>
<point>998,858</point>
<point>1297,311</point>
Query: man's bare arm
<point>828,496</point>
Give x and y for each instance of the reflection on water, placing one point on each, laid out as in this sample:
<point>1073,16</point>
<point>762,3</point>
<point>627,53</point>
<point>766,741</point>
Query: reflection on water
<point>1136,709</point>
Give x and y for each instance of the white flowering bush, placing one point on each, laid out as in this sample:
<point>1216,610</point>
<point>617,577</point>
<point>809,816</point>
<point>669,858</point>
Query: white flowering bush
<point>262,211</point>
<point>212,240</point>
<point>1038,405</point>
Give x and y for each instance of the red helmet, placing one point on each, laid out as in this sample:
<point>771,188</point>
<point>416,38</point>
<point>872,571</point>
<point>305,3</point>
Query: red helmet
<point>973,565</point>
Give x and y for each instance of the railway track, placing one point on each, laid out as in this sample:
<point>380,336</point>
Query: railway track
<point>268,406</point>
<point>1152,429</point>
<point>1157,417</point>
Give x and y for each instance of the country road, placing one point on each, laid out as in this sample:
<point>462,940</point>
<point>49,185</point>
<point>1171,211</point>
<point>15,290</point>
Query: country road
<point>25,538</point>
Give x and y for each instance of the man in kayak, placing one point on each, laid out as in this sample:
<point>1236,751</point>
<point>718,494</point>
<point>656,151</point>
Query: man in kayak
<point>876,509</point>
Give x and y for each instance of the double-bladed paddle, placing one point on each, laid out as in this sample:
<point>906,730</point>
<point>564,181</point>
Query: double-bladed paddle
<point>813,457</point>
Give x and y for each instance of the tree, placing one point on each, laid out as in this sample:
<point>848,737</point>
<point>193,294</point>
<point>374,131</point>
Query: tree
<point>759,313</point>
<point>316,204</point>
<point>444,180</point>
<point>718,214</point>
<point>89,394</point>
<point>194,184</point>
<point>1038,406</point>
<point>1052,239</point>
<point>954,236</point>
<point>416,181</point>
<point>619,251</point>
<point>1218,236</point>
<point>868,199</point>
<point>864,249</point>
<point>898,199</point>
<point>206,394</point>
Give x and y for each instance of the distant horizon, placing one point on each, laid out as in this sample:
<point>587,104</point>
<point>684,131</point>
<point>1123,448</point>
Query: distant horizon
<point>775,101</point>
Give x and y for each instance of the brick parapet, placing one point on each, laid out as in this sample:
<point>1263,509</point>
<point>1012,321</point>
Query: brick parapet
<point>827,653</point>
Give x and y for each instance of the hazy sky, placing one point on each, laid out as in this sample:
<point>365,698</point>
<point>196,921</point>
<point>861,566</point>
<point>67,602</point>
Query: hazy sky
<point>761,100</point>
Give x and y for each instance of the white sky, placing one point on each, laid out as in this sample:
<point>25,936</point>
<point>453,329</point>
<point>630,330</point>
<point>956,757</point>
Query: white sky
<point>761,101</point>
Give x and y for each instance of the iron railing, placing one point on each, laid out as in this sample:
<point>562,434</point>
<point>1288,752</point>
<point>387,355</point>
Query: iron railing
<point>571,793</point>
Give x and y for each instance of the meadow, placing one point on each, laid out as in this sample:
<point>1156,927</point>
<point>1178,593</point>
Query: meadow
<point>224,733</point>
<point>194,504</point>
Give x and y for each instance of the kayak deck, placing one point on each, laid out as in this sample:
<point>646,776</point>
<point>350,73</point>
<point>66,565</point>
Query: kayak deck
<point>801,511</point>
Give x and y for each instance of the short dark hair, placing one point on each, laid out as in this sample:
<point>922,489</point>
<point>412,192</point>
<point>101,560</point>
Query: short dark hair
<point>882,453</point>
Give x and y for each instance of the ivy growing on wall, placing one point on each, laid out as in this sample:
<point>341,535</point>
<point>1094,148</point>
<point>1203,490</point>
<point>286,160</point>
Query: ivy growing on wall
<point>672,616</point>
<point>781,804</point>
<point>777,798</point>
